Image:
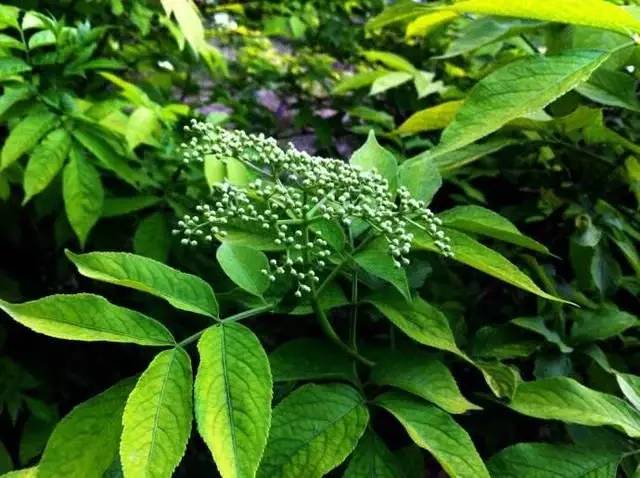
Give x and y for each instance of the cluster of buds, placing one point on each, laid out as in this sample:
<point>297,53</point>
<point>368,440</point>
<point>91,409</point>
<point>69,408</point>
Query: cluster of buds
<point>293,192</point>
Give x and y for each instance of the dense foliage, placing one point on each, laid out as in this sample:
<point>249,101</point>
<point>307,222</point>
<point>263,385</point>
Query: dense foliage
<point>347,237</point>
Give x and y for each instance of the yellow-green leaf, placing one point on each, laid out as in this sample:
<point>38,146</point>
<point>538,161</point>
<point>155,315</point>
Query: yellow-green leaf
<point>233,398</point>
<point>515,90</point>
<point>372,459</point>
<point>89,318</point>
<point>564,399</point>
<point>85,442</point>
<point>430,119</point>
<point>591,13</point>
<point>83,195</point>
<point>45,162</point>
<point>181,290</point>
<point>421,374</point>
<point>424,24</point>
<point>313,430</point>
<point>157,417</point>
<point>26,134</point>
<point>472,253</point>
<point>435,431</point>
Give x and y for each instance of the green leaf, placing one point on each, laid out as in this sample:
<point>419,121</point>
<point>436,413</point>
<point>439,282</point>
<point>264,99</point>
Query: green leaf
<point>10,66</point>
<point>24,473</point>
<point>188,17</point>
<point>45,162</point>
<point>425,86</point>
<point>611,88</point>
<point>421,321</point>
<point>85,442</point>
<point>357,81</point>
<point>376,259</point>
<point>310,359</point>
<point>121,206</point>
<point>96,143</point>
<point>372,459</point>
<point>538,325</point>
<point>398,12</point>
<point>244,267</point>
<point>564,399</point>
<point>460,157</point>
<point>141,126</point>
<point>9,16</point>
<point>421,177</point>
<point>591,13</point>
<point>515,90</point>
<point>26,134</point>
<point>502,379</point>
<point>388,81</point>
<point>435,431</point>
<point>536,460</point>
<point>470,252</point>
<point>6,463</point>
<point>215,170</point>
<point>233,398</point>
<point>13,96</point>
<point>630,386</point>
<point>157,417</point>
<point>42,38</point>
<point>88,318</point>
<point>430,119</point>
<point>504,342</point>
<point>373,156</point>
<point>390,60</point>
<point>181,290</point>
<point>153,238</point>
<point>479,220</point>
<point>601,324</point>
<point>382,118</point>
<point>35,434</point>
<point>313,430</point>
<point>83,195</point>
<point>484,31</point>
<point>425,24</point>
<point>421,374</point>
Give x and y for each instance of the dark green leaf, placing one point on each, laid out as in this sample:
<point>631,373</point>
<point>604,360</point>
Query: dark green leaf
<point>313,430</point>
<point>435,431</point>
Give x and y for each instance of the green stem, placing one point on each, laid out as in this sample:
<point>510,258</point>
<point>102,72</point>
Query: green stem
<point>342,263</point>
<point>232,318</point>
<point>329,331</point>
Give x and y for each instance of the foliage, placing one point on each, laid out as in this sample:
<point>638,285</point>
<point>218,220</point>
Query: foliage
<point>458,294</point>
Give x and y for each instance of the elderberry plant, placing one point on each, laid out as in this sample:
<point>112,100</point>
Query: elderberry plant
<point>292,192</point>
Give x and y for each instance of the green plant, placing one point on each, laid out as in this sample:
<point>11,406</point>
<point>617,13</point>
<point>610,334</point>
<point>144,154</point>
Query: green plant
<point>328,227</point>
<point>352,332</point>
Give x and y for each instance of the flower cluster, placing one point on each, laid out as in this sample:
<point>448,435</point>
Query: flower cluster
<point>292,194</point>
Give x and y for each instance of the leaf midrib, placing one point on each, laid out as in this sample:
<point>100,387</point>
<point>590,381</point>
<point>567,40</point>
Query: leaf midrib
<point>156,416</point>
<point>228,404</point>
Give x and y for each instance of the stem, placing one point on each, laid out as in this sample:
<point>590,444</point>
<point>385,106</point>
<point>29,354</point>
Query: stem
<point>326,326</point>
<point>232,318</point>
<point>353,341</point>
<point>342,263</point>
<point>353,329</point>
<point>329,331</point>
<point>248,313</point>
